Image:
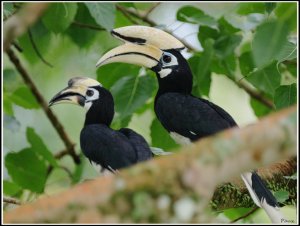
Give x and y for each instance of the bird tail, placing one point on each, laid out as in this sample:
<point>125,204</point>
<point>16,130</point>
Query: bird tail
<point>262,196</point>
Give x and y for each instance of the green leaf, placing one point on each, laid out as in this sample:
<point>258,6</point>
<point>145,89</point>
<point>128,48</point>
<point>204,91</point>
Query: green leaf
<point>225,45</point>
<point>285,96</point>
<point>83,37</point>
<point>200,66</point>
<point>268,42</point>
<point>78,170</point>
<point>131,93</point>
<point>59,16</point>
<point>8,9</point>
<point>11,80</point>
<point>103,13</point>
<point>246,63</point>
<point>266,79</point>
<point>287,12</point>
<point>109,74</point>
<point>7,104</point>
<point>247,8</point>
<point>41,36</point>
<point>39,147</point>
<point>288,52</point>
<point>235,213</point>
<point>270,6</point>
<point>127,4</point>
<point>24,98</point>
<point>281,196</point>
<point>206,32</point>
<point>194,15</point>
<point>160,137</point>
<point>292,68</point>
<point>10,188</point>
<point>225,66</point>
<point>27,170</point>
<point>259,108</point>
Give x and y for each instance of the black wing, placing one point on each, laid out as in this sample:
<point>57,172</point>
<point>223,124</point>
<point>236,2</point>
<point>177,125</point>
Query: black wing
<point>190,116</point>
<point>138,143</point>
<point>111,149</point>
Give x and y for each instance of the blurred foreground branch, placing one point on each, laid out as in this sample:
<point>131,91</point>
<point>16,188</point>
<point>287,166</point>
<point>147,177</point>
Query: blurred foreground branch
<point>44,104</point>
<point>163,189</point>
<point>10,200</point>
<point>19,23</point>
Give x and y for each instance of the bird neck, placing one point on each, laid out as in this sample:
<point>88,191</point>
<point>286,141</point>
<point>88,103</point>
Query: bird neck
<point>178,81</point>
<point>101,110</point>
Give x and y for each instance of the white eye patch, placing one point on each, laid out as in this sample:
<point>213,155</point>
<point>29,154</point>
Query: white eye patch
<point>168,60</point>
<point>91,95</point>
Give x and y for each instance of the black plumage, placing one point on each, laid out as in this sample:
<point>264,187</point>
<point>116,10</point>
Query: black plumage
<point>190,116</point>
<point>111,149</point>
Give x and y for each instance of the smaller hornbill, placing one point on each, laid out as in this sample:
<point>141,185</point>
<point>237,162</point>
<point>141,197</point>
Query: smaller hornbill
<point>111,149</point>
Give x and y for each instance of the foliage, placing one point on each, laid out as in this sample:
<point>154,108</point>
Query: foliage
<point>253,43</point>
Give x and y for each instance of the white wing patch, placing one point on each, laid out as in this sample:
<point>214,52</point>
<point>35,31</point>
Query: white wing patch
<point>193,133</point>
<point>179,139</point>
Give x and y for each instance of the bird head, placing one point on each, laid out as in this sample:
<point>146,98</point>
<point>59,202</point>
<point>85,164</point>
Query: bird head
<point>154,49</point>
<point>90,94</point>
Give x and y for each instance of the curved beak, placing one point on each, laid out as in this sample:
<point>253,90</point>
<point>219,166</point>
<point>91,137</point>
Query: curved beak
<point>143,46</point>
<point>71,95</point>
<point>143,55</point>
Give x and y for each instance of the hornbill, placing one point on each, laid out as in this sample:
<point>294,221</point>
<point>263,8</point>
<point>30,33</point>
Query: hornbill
<point>103,146</point>
<point>187,118</point>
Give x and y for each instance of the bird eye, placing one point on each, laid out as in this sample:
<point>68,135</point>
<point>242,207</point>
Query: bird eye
<point>167,58</point>
<point>90,93</point>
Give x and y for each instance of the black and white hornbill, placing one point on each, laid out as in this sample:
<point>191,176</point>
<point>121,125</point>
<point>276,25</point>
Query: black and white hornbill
<point>111,149</point>
<point>187,118</point>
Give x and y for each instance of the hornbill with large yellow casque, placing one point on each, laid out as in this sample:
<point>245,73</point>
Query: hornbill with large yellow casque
<point>187,118</point>
<point>111,149</point>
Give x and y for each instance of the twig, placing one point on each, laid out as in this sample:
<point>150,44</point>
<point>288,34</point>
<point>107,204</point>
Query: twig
<point>151,9</point>
<point>256,95</point>
<point>16,45</point>
<point>56,124</point>
<point>11,200</point>
<point>136,15</point>
<point>126,14</point>
<point>89,26</point>
<point>246,215</point>
<point>37,50</point>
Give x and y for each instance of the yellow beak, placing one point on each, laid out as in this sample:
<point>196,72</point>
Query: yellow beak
<point>72,95</point>
<point>143,46</point>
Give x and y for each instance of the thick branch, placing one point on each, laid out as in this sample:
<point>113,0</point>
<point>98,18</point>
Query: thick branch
<point>159,190</point>
<point>53,119</point>
<point>19,23</point>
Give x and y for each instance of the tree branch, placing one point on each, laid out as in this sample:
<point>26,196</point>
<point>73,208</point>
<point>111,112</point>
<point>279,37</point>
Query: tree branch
<point>253,93</point>
<point>143,193</point>
<point>11,200</point>
<point>40,99</point>
<point>19,23</point>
